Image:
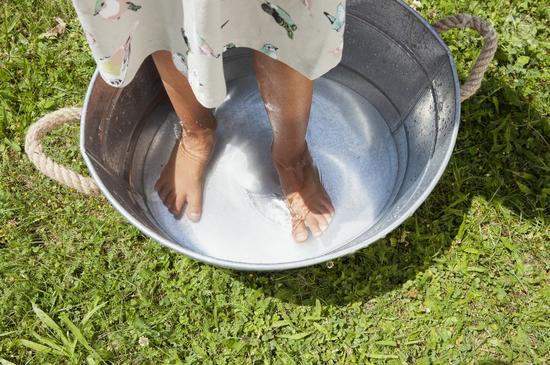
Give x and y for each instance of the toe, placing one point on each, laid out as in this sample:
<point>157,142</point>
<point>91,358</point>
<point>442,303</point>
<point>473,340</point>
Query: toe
<point>327,205</point>
<point>328,217</point>
<point>323,216</point>
<point>313,225</point>
<point>164,191</point>
<point>326,212</point>
<point>170,197</point>
<point>194,205</point>
<point>170,203</point>
<point>161,182</point>
<point>299,232</point>
<point>158,184</point>
<point>178,205</point>
<point>321,221</point>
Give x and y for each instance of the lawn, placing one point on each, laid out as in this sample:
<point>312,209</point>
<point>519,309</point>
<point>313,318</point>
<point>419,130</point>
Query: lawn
<point>464,280</point>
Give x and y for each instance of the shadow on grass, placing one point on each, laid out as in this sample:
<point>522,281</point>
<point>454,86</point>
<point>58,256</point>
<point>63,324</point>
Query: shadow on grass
<point>499,156</point>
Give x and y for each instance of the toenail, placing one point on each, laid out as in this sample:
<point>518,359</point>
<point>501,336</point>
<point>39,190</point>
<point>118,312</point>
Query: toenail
<point>301,236</point>
<point>317,233</point>
<point>323,227</point>
<point>194,217</point>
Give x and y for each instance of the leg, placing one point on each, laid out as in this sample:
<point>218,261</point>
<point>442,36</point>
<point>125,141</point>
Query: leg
<point>287,96</point>
<point>181,181</point>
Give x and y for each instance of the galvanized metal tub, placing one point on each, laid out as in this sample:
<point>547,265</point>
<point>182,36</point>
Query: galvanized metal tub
<point>383,127</point>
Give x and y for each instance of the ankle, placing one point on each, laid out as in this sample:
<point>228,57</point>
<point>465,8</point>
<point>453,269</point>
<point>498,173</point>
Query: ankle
<point>199,125</point>
<point>200,129</point>
<point>198,145</point>
<point>200,138</point>
<point>286,159</point>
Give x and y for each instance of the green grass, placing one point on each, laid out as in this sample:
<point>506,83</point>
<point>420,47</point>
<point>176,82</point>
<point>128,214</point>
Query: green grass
<point>465,280</point>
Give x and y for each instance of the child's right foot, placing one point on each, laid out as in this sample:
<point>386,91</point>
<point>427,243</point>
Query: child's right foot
<point>307,200</point>
<point>181,182</point>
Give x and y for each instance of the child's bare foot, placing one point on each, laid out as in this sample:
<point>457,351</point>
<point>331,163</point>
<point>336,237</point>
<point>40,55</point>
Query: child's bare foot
<point>308,202</point>
<point>182,179</point>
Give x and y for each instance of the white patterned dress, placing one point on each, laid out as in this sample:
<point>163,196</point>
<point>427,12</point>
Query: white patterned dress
<point>305,34</point>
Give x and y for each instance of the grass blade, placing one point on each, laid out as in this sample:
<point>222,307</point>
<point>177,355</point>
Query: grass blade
<point>386,343</point>
<point>44,318</point>
<point>92,312</point>
<point>48,342</point>
<point>75,331</point>
<point>39,347</point>
<point>77,334</point>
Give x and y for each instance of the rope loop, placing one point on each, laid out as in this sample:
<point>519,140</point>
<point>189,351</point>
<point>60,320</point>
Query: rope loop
<point>490,43</point>
<point>44,164</point>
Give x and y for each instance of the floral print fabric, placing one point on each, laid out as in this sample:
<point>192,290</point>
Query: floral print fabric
<point>305,34</point>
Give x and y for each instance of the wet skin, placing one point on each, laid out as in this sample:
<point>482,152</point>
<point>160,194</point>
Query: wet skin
<point>287,95</point>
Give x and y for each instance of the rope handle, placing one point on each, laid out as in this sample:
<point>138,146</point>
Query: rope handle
<point>50,168</point>
<point>490,41</point>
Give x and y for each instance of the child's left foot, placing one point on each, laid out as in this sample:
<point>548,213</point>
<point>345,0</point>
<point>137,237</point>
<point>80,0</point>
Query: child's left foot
<point>308,202</point>
<point>181,181</point>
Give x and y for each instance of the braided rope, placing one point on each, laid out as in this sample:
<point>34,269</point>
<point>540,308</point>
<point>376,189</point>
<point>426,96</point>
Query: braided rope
<point>486,55</point>
<point>46,165</point>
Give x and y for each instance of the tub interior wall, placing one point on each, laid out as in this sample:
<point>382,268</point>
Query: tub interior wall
<point>390,58</point>
<point>114,120</point>
<point>429,127</point>
<point>399,55</point>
